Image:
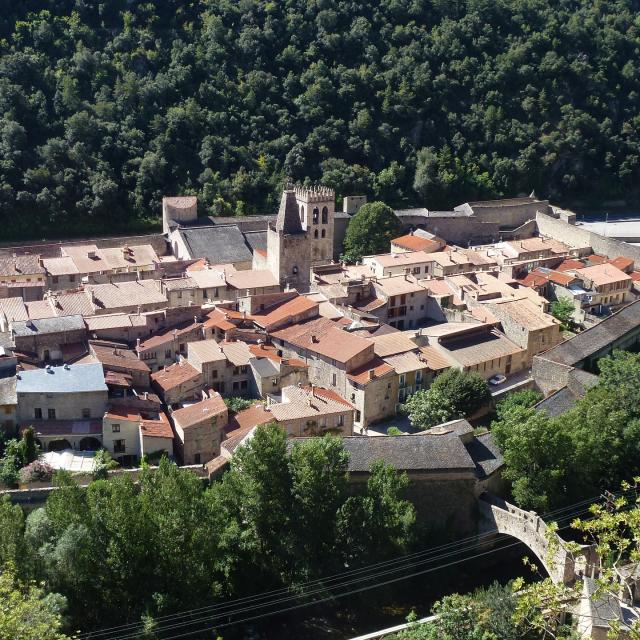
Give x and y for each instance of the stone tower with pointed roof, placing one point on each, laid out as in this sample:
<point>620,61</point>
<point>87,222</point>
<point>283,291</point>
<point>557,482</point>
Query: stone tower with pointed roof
<point>302,235</point>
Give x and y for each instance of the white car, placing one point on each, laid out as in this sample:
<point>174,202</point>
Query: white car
<point>497,379</point>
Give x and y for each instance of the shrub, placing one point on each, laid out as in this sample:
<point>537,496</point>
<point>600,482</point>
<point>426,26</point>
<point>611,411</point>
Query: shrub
<point>36,471</point>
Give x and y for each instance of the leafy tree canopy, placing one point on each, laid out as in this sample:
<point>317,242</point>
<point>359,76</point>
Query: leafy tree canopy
<point>370,231</point>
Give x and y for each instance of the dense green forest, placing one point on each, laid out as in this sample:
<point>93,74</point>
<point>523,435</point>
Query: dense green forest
<point>105,106</point>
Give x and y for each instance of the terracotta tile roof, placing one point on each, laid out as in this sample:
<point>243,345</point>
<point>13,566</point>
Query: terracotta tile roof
<point>252,279</point>
<point>175,375</point>
<point>39,309</point>
<point>117,379</point>
<point>326,338</point>
<point>601,274</point>
<point>390,344</point>
<point>159,428</point>
<point>596,259</point>
<point>299,403</point>
<point>62,266</point>
<point>26,265</point>
<point>285,312</point>
<point>437,287</point>
<point>123,412</point>
<point>405,362</point>
<point>198,265</point>
<point>206,351</point>
<point>561,278</point>
<point>416,243</point>
<point>400,259</point>
<point>194,414</point>
<point>569,263</point>
<point>14,309</point>
<point>534,280</point>
<point>237,353</point>
<point>126,294</point>
<point>262,252</point>
<point>212,278</point>
<point>622,262</point>
<point>142,255</point>
<point>70,304</point>
<point>168,335</point>
<point>109,321</point>
<point>179,284</point>
<point>118,357</point>
<point>217,318</point>
<point>248,418</point>
<point>180,202</point>
<point>435,359</point>
<point>635,275</point>
<point>475,349</point>
<point>484,315</point>
<point>361,375</point>
<point>397,285</point>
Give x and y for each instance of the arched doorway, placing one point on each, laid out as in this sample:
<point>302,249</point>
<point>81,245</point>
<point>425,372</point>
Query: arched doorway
<point>59,445</point>
<point>90,444</point>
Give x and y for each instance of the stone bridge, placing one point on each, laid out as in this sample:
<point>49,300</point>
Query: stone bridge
<point>560,563</point>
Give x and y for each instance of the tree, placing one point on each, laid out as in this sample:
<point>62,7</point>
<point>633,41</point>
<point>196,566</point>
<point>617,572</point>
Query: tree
<point>30,446</point>
<point>453,394</point>
<point>370,231</point>
<point>527,398</point>
<point>26,612</point>
<point>563,310</point>
<point>236,404</point>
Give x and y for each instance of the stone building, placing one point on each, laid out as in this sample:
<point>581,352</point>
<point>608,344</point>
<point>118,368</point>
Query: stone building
<point>22,276</point>
<point>177,383</point>
<point>118,359</point>
<point>301,237</point>
<point>166,347</point>
<point>199,429</point>
<point>48,339</point>
<point>8,405</point>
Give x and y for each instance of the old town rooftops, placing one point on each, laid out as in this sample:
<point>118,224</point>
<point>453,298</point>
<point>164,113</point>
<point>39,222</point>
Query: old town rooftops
<point>326,338</point>
<point>175,375</point>
<point>196,413</point>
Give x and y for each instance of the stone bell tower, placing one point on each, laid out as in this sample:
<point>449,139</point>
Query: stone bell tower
<point>316,207</point>
<point>288,252</point>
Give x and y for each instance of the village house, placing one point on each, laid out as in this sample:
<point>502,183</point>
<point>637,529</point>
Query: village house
<point>344,363</point>
<point>128,434</point>
<point>311,410</point>
<point>166,348</point>
<point>417,240</point>
<point>116,358</point>
<point>126,297</point>
<point>394,264</point>
<point>64,404</point>
<point>177,383</point>
<point>403,298</point>
<point>606,285</point>
<point>199,429</point>
<point>22,276</point>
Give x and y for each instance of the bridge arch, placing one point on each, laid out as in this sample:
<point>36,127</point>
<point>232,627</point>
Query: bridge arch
<point>562,565</point>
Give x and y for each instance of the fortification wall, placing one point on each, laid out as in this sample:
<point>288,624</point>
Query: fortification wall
<point>49,249</point>
<point>457,230</point>
<point>575,235</point>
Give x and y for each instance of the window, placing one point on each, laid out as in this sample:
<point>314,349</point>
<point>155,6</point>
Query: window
<point>196,458</point>
<point>316,215</point>
<point>334,379</point>
<point>214,373</point>
<point>301,212</point>
<point>119,446</point>
<point>115,428</point>
<point>315,234</point>
<point>244,385</point>
<point>274,382</point>
<point>51,413</point>
<point>167,354</point>
<point>182,347</point>
<point>8,409</point>
<point>37,413</point>
<point>324,233</point>
<point>294,271</point>
<point>325,215</point>
<point>341,420</point>
<point>54,279</point>
<point>416,270</point>
<point>86,413</point>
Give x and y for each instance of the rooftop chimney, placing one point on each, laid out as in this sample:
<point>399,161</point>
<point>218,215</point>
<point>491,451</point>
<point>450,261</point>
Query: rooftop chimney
<point>372,374</point>
<point>314,338</point>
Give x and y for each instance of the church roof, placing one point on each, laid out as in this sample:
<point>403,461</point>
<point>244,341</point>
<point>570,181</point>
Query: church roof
<point>288,220</point>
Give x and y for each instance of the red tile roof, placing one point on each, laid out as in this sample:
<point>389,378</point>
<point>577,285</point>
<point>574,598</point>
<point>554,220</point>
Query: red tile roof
<point>248,418</point>
<point>567,264</point>
<point>218,318</point>
<point>175,375</point>
<point>285,312</point>
<point>156,428</point>
<point>596,259</point>
<point>194,414</point>
<point>622,262</point>
<point>361,375</point>
<point>325,337</point>
<point>416,243</point>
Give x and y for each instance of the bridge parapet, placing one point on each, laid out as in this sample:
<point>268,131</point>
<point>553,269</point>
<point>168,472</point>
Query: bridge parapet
<point>561,563</point>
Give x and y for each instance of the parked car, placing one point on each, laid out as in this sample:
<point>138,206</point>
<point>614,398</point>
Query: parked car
<point>497,379</point>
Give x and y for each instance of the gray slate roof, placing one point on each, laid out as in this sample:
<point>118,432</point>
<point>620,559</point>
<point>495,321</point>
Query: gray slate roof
<point>48,325</point>
<point>220,244</point>
<point>256,239</point>
<point>288,220</point>
<point>585,344</point>
<point>486,455</point>
<point>603,607</point>
<point>558,403</point>
<point>407,453</point>
<point>75,378</point>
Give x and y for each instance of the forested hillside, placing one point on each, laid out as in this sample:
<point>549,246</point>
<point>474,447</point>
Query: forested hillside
<point>107,105</point>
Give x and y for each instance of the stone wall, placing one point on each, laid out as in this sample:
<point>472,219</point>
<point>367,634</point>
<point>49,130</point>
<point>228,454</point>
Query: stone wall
<point>575,235</point>
<point>549,376</point>
<point>52,249</point>
<point>461,230</point>
<point>67,406</point>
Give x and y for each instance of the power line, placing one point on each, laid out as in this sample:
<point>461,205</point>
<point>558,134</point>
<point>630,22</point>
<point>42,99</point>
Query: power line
<point>326,582</point>
<point>330,597</point>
